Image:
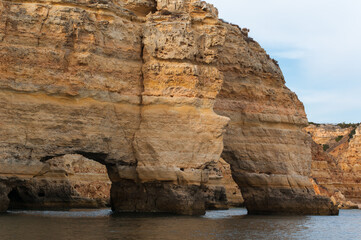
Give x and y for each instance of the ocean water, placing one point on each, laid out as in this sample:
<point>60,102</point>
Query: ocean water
<point>220,225</point>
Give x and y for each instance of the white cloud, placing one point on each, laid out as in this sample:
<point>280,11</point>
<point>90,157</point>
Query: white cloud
<point>331,106</point>
<point>291,54</point>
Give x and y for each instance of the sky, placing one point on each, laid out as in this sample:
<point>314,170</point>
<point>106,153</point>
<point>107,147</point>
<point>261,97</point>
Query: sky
<point>317,44</point>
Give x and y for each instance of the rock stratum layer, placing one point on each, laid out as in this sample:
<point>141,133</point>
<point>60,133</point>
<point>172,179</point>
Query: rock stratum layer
<point>337,161</point>
<point>264,142</point>
<point>70,181</point>
<point>131,84</point>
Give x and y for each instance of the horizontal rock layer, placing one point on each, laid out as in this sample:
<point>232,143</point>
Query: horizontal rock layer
<point>70,181</point>
<point>101,80</point>
<point>264,143</point>
<point>131,84</point>
<point>336,168</point>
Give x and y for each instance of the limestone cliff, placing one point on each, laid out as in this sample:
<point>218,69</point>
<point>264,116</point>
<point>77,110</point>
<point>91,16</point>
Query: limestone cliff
<point>264,142</point>
<point>131,84</point>
<point>103,80</point>
<point>64,68</point>
<point>342,146</point>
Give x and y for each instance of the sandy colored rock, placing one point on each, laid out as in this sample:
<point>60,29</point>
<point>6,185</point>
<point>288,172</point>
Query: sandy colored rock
<point>88,178</point>
<point>264,142</point>
<point>69,70</point>
<point>132,84</point>
<point>179,133</point>
<point>326,176</point>
<point>327,133</point>
<point>220,175</point>
<point>100,80</point>
<point>70,181</point>
<point>343,178</point>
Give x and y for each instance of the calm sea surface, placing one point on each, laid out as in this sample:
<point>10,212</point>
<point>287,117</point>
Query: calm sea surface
<point>220,225</point>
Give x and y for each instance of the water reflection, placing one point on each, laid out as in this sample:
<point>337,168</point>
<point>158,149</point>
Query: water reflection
<point>231,224</point>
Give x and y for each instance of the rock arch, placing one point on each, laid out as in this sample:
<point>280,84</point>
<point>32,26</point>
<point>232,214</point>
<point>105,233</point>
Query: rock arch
<point>132,84</point>
<point>64,182</point>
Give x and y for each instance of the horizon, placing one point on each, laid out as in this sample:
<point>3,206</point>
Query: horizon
<point>316,46</point>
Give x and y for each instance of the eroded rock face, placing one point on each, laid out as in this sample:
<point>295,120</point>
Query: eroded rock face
<point>70,181</point>
<point>343,146</point>
<point>132,84</point>
<point>102,80</point>
<point>88,178</point>
<point>179,134</point>
<point>328,177</point>
<point>264,142</point>
<point>220,175</point>
<point>327,133</point>
<point>4,200</point>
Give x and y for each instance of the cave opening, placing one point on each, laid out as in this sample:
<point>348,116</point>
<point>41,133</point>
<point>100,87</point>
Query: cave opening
<point>16,201</point>
<point>86,176</point>
<point>70,181</point>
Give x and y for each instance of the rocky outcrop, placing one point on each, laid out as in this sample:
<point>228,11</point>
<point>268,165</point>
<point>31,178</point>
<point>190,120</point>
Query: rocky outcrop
<point>102,80</point>
<point>221,182</point>
<point>264,142</point>
<point>325,171</point>
<point>327,133</point>
<point>70,84</point>
<point>179,134</point>
<point>70,181</point>
<point>234,195</point>
<point>342,178</point>
<point>132,84</point>
<point>327,177</point>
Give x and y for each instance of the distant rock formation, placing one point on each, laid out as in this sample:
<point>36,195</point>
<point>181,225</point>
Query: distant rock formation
<point>337,162</point>
<point>132,84</point>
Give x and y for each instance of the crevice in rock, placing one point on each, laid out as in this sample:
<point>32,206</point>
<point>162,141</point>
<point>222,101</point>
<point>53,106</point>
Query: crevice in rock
<point>6,25</point>
<point>71,38</point>
<point>140,99</point>
<point>46,158</point>
<point>42,25</point>
<point>5,30</point>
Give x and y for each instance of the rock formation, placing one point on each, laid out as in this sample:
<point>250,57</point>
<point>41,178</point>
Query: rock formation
<point>179,134</point>
<point>264,142</point>
<point>131,84</point>
<point>327,133</point>
<point>70,181</point>
<point>220,175</point>
<point>336,167</point>
<point>328,177</point>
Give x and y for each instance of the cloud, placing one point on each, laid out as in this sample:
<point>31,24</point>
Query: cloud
<point>331,107</point>
<point>323,37</point>
<point>291,54</point>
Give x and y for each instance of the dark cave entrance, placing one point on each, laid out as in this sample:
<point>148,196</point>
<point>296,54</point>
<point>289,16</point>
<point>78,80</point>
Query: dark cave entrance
<point>71,181</point>
<point>16,200</point>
